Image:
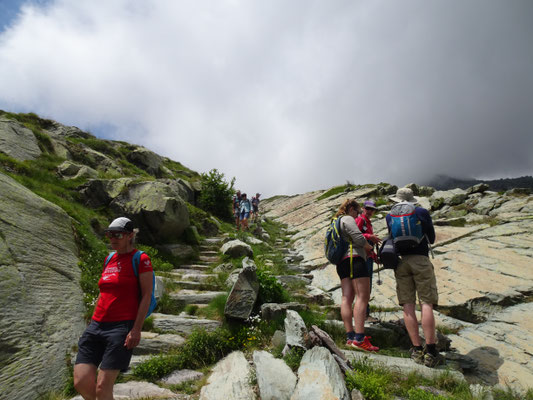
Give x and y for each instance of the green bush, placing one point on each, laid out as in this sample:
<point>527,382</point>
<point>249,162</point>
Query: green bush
<point>216,194</point>
<point>419,394</point>
<point>200,350</point>
<point>293,358</point>
<point>270,290</point>
<point>371,383</point>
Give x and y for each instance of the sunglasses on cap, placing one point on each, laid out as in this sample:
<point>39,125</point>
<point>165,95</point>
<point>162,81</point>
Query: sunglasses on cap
<point>116,235</point>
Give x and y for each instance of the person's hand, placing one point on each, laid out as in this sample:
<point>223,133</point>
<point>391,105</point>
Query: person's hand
<point>375,239</point>
<point>368,247</point>
<point>133,339</point>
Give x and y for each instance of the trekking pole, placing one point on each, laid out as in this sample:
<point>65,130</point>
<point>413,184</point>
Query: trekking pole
<point>429,246</point>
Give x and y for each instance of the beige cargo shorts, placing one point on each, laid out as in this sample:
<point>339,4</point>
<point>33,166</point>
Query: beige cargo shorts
<point>416,274</point>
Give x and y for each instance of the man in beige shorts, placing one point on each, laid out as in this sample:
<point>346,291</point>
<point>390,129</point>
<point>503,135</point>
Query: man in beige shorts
<point>415,273</point>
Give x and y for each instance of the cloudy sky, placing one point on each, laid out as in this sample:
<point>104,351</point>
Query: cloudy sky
<point>287,96</point>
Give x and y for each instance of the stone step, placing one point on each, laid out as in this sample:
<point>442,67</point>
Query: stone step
<point>197,267</point>
<point>405,365</point>
<point>192,275</point>
<point>155,343</point>
<point>183,324</point>
<point>187,296</point>
<point>208,259</point>
<point>191,285</point>
<point>209,253</point>
<point>213,241</point>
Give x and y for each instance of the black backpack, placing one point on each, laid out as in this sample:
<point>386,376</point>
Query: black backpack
<point>387,254</point>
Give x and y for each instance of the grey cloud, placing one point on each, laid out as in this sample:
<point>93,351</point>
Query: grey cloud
<point>288,97</point>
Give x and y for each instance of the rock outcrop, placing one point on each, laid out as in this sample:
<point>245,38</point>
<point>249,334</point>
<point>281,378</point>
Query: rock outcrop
<point>18,141</point>
<point>41,302</point>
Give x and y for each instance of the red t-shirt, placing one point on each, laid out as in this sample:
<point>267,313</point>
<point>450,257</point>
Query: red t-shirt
<point>119,288</point>
<point>365,226</point>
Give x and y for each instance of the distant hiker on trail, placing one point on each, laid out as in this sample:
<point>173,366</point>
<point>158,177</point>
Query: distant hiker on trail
<point>365,226</point>
<point>115,329</point>
<point>245,210</point>
<point>255,205</point>
<point>411,228</point>
<point>354,277</point>
<point>237,208</point>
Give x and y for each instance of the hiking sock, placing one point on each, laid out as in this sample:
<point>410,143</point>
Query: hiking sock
<point>359,337</point>
<point>432,349</point>
<point>418,348</point>
<point>350,335</point>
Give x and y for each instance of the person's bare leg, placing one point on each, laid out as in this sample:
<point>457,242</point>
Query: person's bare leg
<point>362,292</point>
<point>411,323</point>
<point>346,304</point>
<point>105,382</point>
<point>428,323</point>
<point>85,380</point>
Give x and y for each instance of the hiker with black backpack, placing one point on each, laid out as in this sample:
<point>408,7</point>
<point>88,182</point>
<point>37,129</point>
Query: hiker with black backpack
<point>412,232</point>
<point>126,298</point>
<point>236,205</point>
<point>353,273</point>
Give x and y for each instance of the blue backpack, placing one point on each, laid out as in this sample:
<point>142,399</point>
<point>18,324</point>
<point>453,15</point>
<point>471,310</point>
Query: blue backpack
<point>135,262</point>
<point>335,246</point>
<point>405,227</point>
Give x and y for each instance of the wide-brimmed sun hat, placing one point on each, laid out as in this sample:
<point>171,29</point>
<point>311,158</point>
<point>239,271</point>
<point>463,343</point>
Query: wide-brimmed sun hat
<point>121,224</point>
<point>404,195</point>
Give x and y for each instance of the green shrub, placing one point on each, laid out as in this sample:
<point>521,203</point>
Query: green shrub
<point>167,305</point>
<point>372,384</point>
<point>293,358</point>
<point>191,309</point>
<point>215,308</point>
<point>270,290</point>
<point>419,394</point>
<point>216,194</point>
<point>148,324</point>
<point>200,350</point>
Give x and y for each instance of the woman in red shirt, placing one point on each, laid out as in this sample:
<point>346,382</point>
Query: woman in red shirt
<point>121,308</point>
<point>365,226</point>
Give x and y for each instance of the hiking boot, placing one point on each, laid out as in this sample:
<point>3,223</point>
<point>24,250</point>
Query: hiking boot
<point>417,355</point>
<point>432,361</point>
<point>364,345</point>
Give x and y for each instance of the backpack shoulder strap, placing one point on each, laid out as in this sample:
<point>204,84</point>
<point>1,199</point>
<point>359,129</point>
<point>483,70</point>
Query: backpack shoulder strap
<point>108,258</point>
<point>135,262</point>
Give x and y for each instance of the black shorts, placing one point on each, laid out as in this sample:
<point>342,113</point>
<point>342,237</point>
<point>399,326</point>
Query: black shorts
<point>102,344</point>
<point>360,269</point>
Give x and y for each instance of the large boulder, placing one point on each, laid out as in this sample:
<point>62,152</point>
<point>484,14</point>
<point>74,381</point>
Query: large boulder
<point>268,371</point>
<point>319,377</point>
<point>17,141</point>
<point>41,302</point>
<point>101,192</point>
<point>295,330</point>
<point>230,380</point>
<point>452,197</point>
<point>70,170</point>
<point>146,160</point>
<point>236,248</point>
<point>243,294</point>
<point>159,212</point>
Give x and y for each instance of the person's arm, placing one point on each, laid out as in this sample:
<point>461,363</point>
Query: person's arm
<point>353,232</point>
<point>134,336</point>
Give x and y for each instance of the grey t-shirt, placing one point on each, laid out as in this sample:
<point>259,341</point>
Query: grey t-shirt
<point>350,232</point>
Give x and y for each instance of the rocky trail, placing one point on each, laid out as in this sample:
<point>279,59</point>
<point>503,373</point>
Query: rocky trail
<point>258,374</point>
